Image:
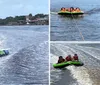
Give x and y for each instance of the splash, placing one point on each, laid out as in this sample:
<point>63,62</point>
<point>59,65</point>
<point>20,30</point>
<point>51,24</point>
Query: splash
<point>81,75</point>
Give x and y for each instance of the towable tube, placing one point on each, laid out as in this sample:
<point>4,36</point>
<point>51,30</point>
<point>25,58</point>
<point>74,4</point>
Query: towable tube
<point>4,52</point>
<point>70,13</point>
<point>64,64</point>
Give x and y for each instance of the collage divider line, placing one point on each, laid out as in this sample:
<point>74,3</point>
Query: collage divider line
<point>49,39</point>
<point>78,42</point>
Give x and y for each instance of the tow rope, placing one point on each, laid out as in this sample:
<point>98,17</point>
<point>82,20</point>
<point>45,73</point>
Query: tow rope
<point>78,28</point>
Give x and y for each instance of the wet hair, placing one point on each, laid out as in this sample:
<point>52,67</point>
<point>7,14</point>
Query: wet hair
<point>60,56</point>
<point>72,8</point>
<point>69,55</point>
<point>78,8</point>
<point>75,54</point>
<point>62,8</point>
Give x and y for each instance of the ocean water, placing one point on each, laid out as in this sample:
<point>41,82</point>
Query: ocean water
<point>27,63</point>
<point>72,29</point>
<point>88,74</point>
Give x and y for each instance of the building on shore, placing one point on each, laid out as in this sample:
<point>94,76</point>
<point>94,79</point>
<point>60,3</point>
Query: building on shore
<point>37,21</point>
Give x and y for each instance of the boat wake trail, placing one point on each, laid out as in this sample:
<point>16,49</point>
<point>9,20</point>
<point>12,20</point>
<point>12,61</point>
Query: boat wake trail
<point>54,13</point>
<point>87,54</point>
<point>26,66</point>
<point>28,59</point>
<point>93,11</point>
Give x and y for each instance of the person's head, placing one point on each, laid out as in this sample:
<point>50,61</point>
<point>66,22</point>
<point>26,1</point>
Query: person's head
<point>62,8</point>
<point>60,57</point>
<point>75,9</point>
<point>69,55</point>
<point>72,8</point>
<point>75,54</point>
<point>78,8</point>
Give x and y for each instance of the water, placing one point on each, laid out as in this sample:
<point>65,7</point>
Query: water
<point>89,74</point>
<point>27,63</point>
<point>67,28</point>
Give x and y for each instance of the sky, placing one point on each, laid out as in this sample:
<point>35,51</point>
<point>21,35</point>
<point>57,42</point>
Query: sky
<point>22,7</point>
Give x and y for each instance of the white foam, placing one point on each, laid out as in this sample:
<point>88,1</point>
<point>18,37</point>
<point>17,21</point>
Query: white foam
<point>91,51</point>
<point>81,75</point>
<point>53,58</point>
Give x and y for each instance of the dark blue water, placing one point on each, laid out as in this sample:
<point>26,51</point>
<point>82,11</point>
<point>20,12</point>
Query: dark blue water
<point>27,63</point>
<point>67,28</point>
<point>89,74</point>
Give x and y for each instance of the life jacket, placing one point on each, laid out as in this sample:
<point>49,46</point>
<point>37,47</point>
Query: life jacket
<point>75,57</point>
<point>78,10</point>
<point>68,9</point>
<point>63,9</point>
<point>73,10</point>
<point>61,60</point>
<point>68,58</point>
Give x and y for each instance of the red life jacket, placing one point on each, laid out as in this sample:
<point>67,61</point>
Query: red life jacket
<point>68,58</point>
<point>75,57</point>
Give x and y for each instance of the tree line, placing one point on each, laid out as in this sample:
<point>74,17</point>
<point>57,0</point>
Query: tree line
<point>20,20</point>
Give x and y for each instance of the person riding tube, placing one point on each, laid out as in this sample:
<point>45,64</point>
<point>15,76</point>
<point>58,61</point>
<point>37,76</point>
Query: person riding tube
<point>63,9</point>
<point>61,59</point>
<point>68,58</point>
<point>78,9</point>
<point>71,9</point>
<point>75,57</point>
